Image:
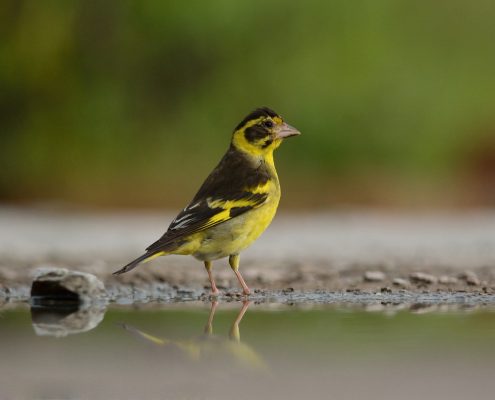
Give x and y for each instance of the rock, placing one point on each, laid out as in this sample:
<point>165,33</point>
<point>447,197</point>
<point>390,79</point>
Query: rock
<point>374,276</point>
<point>404,283</point>
<point>60,284</point>
<point>447,280</point>
<point>421,277</point>
<point>470,278</point>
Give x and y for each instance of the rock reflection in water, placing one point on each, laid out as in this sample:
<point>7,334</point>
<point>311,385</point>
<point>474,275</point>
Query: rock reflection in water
<point>60,320</point>
<point>209,347</point>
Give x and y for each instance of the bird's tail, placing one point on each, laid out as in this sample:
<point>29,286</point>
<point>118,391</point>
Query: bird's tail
<point>144,258</point>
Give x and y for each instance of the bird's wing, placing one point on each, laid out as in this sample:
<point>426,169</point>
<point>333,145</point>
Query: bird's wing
<point>206,213</point>
<point>234,187</point>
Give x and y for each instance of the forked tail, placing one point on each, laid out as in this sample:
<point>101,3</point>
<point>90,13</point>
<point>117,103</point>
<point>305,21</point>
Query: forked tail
<point>144,258</point>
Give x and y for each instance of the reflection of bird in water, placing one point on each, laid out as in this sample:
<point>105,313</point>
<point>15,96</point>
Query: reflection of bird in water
<point>209,347</point>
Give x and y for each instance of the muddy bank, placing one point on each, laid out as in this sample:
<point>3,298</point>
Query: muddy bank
<point>284,276</point>
<point>355,252</point>
<point>188,276</point>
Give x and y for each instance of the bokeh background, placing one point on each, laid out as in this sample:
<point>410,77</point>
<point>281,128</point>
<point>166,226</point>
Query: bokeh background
<point>131,103</point>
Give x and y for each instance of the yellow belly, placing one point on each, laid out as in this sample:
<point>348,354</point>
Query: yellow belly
<point>232,236</point>
<point>235,235</point>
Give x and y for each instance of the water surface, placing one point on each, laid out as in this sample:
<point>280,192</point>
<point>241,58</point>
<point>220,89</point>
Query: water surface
<point>236,350</point>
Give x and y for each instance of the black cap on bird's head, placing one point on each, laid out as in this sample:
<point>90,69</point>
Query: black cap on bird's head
<point>261,131</point>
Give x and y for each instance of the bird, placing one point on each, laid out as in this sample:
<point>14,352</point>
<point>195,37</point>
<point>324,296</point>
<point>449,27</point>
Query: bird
<point>234,205</point>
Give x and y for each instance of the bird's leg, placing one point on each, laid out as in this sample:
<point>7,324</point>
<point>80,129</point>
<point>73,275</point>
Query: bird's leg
<point>209,324</point>
<point>214,290</point>
<point>234,331</point>
<point>234,264</point>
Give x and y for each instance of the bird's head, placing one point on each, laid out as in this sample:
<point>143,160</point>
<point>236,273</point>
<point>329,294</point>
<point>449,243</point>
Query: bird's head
<point>261,132</point>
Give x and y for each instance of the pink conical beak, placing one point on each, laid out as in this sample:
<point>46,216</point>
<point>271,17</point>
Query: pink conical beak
<point>286,131</point>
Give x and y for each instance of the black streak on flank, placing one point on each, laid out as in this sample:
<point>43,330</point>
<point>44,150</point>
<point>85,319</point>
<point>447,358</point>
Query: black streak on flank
<point>259,112</point>
<point>235,211</point>
<point>255,133</point>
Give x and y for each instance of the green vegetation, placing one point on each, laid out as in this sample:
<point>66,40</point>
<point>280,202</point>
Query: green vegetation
<point>127,103</point>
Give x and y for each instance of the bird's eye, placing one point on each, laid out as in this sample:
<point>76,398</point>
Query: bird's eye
<point>268,123</point>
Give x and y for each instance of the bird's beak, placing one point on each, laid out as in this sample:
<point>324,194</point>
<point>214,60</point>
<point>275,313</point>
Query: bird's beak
<point>285,131</point>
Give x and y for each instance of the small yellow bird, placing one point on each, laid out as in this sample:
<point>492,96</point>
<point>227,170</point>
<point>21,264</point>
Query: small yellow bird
<point>235,204</point>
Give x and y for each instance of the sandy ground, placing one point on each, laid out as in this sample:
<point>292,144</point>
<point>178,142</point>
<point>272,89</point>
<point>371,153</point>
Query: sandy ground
<point>351,252</point>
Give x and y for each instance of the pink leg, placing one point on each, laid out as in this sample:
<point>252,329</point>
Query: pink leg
<point>214,290</point>
<point>234,264</point>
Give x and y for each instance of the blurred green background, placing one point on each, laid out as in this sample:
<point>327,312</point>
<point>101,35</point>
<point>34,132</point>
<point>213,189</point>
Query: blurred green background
<point>131,103</point>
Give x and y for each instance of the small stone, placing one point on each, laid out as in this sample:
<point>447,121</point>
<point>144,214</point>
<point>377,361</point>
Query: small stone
<point>470,278</point>
<point>374,276</point>
<point>447,280</point>
<point>403,283</point>
<point>421,277</point>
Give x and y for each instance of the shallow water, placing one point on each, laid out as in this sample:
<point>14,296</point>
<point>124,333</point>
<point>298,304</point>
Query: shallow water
<point>214,351</point>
